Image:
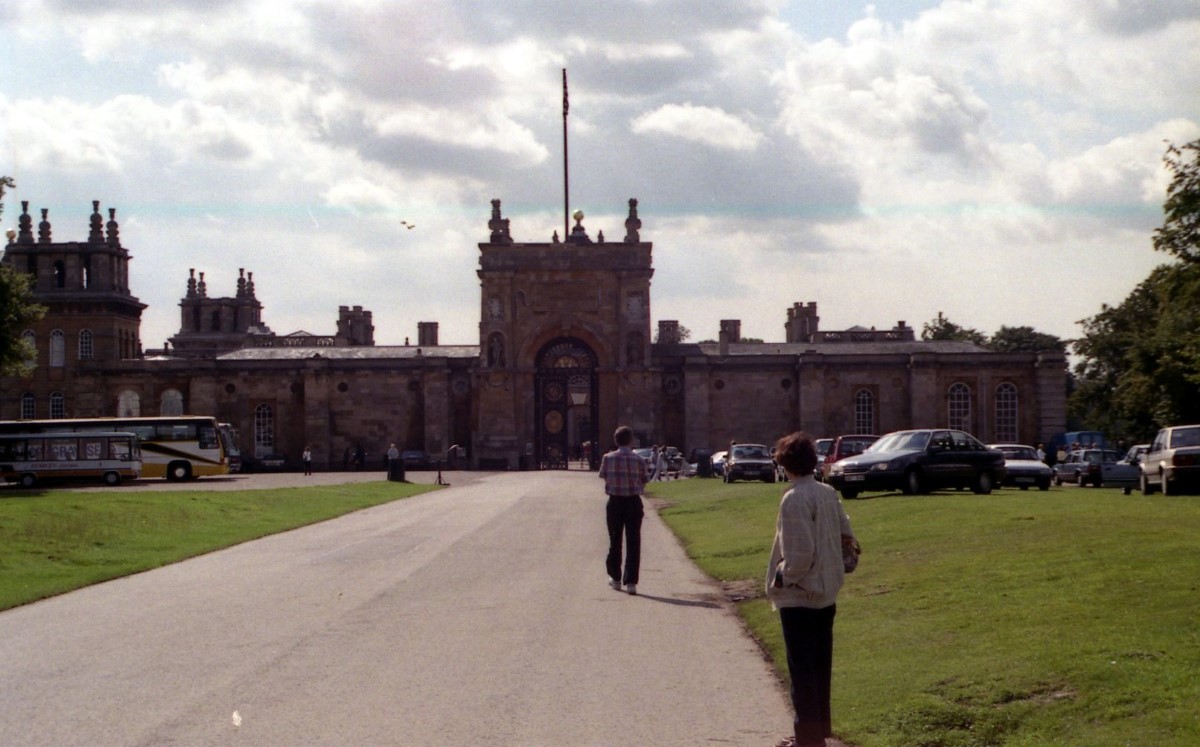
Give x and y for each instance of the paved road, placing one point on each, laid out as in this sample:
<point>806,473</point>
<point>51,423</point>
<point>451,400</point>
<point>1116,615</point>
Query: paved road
<point>473,615</point>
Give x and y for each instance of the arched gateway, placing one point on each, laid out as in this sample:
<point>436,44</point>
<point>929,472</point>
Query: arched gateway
<point>566,403</point>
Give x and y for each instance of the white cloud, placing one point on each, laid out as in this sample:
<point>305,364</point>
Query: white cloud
<point>969,149</point>
<point>698,124</point>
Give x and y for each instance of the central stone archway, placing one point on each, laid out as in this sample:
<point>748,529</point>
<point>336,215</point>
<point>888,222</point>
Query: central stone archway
<point>566,403</point>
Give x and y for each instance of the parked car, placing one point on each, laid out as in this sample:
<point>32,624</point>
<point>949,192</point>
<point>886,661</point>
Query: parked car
<point>718,463</point>
<point>1135,453</point>
<point>265,463</point>
<point>919,461</point>
<point>415,459</point>
<point>1172,463</point>
<point>841,448</point>
<point>749,462</point>
<point>823,446</point>
<point>1022,468</point>
<point>1096,467</point>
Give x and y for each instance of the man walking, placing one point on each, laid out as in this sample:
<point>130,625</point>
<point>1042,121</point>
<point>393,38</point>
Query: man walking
<point>624,475</point>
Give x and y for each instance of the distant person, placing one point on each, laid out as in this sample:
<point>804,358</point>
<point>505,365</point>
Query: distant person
<point>306,457</point>
<point>1041,452</point>
<point>660,463</point>
<point>394,470</point>
<point>624,475</point>
<point>360,457</point>
<point>804,576</point>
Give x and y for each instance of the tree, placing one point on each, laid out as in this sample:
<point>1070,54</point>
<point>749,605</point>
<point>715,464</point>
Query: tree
<point>1141,360</point>
<point>1180,232</point>
<point>944,329</point>
<point>684,334</point>
<point>1024,340</point>
<point>16,311</point>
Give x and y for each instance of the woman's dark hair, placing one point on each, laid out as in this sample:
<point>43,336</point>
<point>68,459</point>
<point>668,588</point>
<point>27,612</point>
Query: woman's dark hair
<point>796,453</point>
<point>623,436</point>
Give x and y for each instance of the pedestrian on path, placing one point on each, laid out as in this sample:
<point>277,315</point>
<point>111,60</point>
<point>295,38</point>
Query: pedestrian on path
<point>624,475</point>
<point>804,575</point>
<point>306,457</point>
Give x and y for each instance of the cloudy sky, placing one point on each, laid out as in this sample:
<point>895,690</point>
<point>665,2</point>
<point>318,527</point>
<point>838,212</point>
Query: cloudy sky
<point>995,160</point>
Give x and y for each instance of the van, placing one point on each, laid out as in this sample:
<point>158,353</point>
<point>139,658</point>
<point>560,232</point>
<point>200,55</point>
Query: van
<point>1093,439</point>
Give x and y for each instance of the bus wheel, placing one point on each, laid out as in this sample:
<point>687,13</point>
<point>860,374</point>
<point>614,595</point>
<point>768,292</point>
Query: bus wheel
<point>112,478</point>
<point>179,471</point>
<point>28,480</point>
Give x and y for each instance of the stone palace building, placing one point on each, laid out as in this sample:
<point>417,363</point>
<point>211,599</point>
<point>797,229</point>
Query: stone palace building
<point>566,352</point>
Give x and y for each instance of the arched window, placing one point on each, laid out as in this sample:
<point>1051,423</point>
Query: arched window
<point>958,407</point>
<point>864,411</point>
<point>28,406</point>
<point>58,349</point>
<point>172,403</point>
<point>86,351</point>
<point>1006,413</point>
<point>129,404</point>
<point>264,430</point>
<point>58,405</point>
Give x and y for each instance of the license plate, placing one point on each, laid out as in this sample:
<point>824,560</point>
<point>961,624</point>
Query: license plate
<point>854,478</point>
<point>1023,479</point>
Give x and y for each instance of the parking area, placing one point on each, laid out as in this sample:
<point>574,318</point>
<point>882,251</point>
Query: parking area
<point>270,480</point>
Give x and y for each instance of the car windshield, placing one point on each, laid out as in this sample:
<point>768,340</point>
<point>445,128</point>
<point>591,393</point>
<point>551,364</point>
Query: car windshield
<point>1181,437</point>
<point>750,452</point>
<point>1023,452</point>
<point>903,441</point>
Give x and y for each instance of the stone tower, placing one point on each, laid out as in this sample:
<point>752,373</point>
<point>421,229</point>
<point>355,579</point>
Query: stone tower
<point>564,338</point>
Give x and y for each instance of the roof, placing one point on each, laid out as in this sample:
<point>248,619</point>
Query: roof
<point>361,352</point>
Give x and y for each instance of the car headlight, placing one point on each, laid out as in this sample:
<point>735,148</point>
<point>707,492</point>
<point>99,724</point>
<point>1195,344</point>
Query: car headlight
<point>837,468</point>
<point>881,467</point>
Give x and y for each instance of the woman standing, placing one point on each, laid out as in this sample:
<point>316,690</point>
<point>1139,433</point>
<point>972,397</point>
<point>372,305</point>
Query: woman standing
<point>804,576</point>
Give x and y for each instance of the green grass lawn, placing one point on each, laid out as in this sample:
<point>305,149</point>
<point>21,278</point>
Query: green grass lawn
<point>1068,617</point>
<point>54,541</point>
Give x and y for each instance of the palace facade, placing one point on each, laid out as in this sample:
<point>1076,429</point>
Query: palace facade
<point>566,352</point>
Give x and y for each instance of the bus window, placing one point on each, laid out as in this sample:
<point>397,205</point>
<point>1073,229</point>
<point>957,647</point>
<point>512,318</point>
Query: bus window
<point>64,449</point>
<point>208,437</point>
<point>92,448</point>
<point>119,449</point>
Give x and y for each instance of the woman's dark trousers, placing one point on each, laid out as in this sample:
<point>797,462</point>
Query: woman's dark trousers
<point>808,637</point>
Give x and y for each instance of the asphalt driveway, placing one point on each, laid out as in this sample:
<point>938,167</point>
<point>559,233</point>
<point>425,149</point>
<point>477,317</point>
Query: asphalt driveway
<point>478,614</point>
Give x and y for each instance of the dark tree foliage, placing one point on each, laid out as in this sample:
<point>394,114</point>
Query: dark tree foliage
<point>1141,360</point>
<point>1025,340</point>
<point>1180,231</point>
<point>942,328</point>
<point>16,311</point>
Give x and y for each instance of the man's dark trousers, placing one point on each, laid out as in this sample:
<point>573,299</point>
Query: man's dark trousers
<point>624,514</point>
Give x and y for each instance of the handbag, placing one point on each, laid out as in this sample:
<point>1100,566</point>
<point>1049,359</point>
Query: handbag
<point>850,552</point>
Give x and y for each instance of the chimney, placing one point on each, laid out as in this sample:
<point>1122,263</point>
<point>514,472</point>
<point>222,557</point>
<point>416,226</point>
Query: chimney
<point>427,334</point>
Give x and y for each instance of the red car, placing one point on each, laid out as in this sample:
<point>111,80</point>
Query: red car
<point>844,446</point>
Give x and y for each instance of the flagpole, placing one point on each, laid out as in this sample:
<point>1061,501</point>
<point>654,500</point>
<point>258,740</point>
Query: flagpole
<point>566,172</point>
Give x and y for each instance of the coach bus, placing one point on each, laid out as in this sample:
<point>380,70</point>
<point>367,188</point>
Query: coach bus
<point>30,458</point>
<point>230,442</point>
<point>177,448</point>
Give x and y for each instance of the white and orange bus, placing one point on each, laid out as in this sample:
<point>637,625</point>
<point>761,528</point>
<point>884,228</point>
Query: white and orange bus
<point>30,458</point>
<point>177,448</point>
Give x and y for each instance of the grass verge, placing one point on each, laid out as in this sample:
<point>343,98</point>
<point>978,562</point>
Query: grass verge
<point>54,541</point>
<point>1067,617</point>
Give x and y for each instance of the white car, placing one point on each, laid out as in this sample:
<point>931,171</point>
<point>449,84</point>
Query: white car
<point>1173,460</point>
<point>1024,469</point>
